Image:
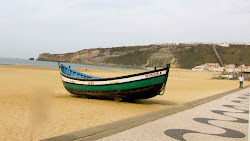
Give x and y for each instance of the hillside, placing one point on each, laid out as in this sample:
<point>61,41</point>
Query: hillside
<point>181,55</point>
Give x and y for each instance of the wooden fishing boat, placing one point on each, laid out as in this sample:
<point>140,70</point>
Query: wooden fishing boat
<point>137,86</point>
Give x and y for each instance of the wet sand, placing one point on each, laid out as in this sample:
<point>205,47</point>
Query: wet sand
<point>34,104</point>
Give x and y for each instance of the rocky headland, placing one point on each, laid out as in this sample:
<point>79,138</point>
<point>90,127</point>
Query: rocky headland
<point>178,55</point>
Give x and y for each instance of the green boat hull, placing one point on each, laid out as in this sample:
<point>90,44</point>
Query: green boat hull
<point>127,94</point>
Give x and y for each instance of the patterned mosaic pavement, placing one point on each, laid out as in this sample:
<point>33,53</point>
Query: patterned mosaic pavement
<point>222,119</point>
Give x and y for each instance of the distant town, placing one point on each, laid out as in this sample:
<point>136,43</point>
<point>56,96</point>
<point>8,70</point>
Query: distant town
<point>215,67</point>
<point>229,71</point>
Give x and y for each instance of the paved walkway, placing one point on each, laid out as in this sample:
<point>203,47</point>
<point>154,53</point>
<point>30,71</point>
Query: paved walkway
<point>222,119</point>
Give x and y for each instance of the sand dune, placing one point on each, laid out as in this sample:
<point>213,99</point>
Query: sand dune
<point>34,104</point>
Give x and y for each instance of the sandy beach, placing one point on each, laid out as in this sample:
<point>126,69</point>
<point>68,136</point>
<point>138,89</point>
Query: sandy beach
<point>34,104</point>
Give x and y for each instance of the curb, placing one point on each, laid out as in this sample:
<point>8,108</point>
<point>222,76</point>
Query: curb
<point>97,132</point>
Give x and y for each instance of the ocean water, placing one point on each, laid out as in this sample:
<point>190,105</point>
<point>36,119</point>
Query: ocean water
<point>17,61</point>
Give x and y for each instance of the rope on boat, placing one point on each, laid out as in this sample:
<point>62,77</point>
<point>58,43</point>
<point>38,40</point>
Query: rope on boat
<point>164,86</point>
<point>163,90</point>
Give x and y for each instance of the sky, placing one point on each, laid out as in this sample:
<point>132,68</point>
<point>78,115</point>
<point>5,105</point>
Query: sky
<point>31,27</point>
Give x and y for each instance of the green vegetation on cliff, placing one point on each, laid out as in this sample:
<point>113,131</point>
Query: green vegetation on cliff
<point>235,54</point>
<point>132,59</point>
<point>191,56</point>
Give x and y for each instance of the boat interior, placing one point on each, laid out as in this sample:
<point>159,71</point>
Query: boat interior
<point>72,73</point>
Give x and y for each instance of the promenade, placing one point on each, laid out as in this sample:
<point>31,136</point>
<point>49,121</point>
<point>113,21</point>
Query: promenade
<point>220,117</point>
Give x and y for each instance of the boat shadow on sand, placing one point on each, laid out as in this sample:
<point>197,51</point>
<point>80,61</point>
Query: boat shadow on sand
<point>155,101</point>
<point>134,101</point>
<point>62,94</point>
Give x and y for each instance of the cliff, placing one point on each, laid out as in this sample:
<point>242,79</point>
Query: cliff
<point>181,55</point>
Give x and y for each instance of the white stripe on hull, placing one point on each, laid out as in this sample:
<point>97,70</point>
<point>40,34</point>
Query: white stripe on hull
<point>116,81</point>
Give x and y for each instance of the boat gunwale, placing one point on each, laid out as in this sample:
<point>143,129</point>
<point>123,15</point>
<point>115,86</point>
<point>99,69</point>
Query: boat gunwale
<point>119,77</point>
<point>119,83</point>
